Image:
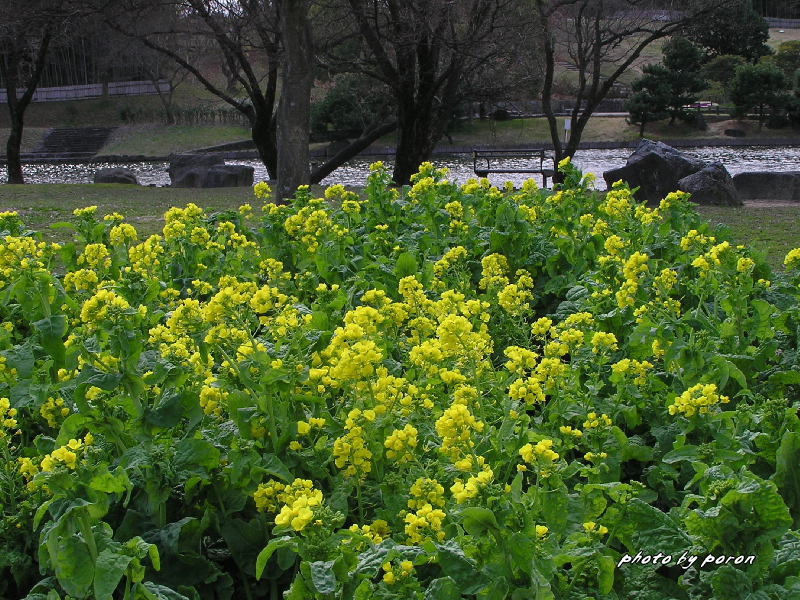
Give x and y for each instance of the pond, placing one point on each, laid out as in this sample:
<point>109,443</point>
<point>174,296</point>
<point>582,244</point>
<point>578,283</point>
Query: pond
<point>736,159</point>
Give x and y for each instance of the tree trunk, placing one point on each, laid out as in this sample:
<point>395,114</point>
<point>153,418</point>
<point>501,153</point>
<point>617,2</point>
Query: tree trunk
<point>14,160</point>
<point>642,126</point>
<point>262,130</point>
<point>415,140</point>
<point>294,107</point>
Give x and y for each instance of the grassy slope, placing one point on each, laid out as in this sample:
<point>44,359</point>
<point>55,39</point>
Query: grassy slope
<point>31,138</point>
<point>153,140</point>
<point>771,230</point>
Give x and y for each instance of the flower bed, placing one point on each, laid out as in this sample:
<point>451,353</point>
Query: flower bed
<point>443,392</point>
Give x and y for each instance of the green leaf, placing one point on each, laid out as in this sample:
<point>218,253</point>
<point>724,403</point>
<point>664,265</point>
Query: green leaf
<point>496,590</point>
<point>443,588</point>
<point>605,574</point>
<point>51,337</point>
<point>322,576</point>
<point>109,569</point>
<point>264,555</point>
<point>478,520</point>
<point>454,564</point>
<point>406,265</point>
<point>787,474</point>
<point>72,564</point>
<point>730,583</point>
<point>195,457</point>
<point>298,590</point>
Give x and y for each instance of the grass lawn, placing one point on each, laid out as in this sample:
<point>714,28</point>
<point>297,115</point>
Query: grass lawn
<point>771,230</point>
<point>154,140</point>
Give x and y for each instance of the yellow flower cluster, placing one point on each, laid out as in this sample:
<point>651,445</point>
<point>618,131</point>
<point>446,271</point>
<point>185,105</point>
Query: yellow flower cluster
<point>376,532</point>
<point>602,340</point>
<point>53,411</point>
<point>400,444</point>
<point>7,416</point>
<point>519,359</point>
<point>310,224</point>
<point>441,266</point>
<point>540,455</point>
<point>527,390</point>
<point>392,574</point>
<point>455,427</point>
<point>350,450</point>
<point>792,259</point>
<point>493,271</point>
<point>212,398</point>
<point>697,399</point>
<point>593,420</point>
<point>426,491</point>
<point>300,499</point>
<point>464,491</point>
<point>144,257</point>
<point>123,234</point>
<point>593,528</point>
<point>515,298</point>
<point>66,455</point>
<point>261,190</point>
<point>633,367</point>
<point>104,305</point>
<point>424,524</point>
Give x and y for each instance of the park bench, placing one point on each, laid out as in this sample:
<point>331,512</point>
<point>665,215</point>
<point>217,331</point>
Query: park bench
<point>495,160</point>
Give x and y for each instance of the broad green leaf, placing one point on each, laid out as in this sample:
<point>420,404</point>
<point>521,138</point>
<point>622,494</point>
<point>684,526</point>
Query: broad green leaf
<point>109,569</point>
<point>266,553</point>
<point>406,265</point>
<point>443,588</point>
<point>478,520</point>
<point>322,576</point>
<point>457,566</point>
<point>605,573</point>
<point>787,473</point>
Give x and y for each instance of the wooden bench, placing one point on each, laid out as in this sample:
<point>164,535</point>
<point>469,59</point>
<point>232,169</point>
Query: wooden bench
<point>491,161</point>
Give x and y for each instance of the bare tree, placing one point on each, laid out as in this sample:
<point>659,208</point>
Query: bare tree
<point>423,50</point>
<point>27,30</point>
<point>600,40</point>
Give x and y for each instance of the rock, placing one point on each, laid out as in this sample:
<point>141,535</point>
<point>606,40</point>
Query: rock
<point>229,176</point>
<point>115,175</point>
<point>735,132</point>
<point>711,185</point>
<point>189,170</point>
<point>768,185</point>
<point>655,169</point>
<point>207,171</point>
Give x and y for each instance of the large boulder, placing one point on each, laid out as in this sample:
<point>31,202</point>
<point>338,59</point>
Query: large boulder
<point>207,171</point>
<point>115,175</point>
<point>768,185</point>
<point>655,168</point>
<point>711,185</point>
<point>189,170</point>
<point>229,176</point>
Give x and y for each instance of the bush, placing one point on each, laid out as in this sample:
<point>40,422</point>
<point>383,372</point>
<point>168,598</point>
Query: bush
<point>437,392</point>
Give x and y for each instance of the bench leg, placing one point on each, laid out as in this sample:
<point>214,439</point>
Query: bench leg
<point>544,180</point>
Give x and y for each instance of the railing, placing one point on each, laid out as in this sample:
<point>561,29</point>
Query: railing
<point>93,90</point>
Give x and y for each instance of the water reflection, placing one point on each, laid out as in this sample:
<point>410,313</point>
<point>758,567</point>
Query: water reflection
<point>736,159</point>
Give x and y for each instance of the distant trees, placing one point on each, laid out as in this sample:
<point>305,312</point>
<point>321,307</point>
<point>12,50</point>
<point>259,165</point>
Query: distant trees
<point>683,62</point>
<point>732,28</point>
<point>651,96</point>
<point>27,31</point>
<point>758,86</point>
<point>600,41</point>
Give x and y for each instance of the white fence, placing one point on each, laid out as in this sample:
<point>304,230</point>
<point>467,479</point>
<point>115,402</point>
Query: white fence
<point>93,90</point>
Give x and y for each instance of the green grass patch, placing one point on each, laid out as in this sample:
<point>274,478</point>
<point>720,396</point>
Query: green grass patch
<point>42,205</point>
<point>770,230</point>
<point>164,140</point>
